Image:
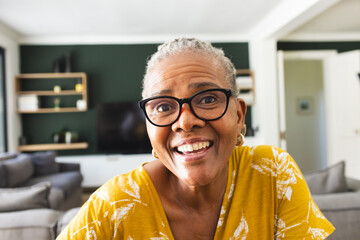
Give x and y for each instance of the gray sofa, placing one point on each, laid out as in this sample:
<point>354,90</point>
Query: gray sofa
<point>338,198</point>
<point>36,180</point>
<point>34,188</point>
<point>20,225</point>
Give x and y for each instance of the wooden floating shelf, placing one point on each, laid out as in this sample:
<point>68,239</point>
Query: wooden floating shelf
<point>50,93</point>
<point>52,146</point>
<point>52,110</point>
<point>51,75</point>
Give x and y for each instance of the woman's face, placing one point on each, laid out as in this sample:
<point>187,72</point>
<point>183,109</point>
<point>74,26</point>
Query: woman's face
<point>181,76</point>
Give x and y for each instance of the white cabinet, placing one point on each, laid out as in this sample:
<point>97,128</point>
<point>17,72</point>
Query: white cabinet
<point>97,169</point>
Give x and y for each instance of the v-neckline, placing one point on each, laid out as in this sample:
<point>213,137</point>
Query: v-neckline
<point>161,209</point>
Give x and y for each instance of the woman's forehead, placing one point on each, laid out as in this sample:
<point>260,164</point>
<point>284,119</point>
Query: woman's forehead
<point>194,70</point>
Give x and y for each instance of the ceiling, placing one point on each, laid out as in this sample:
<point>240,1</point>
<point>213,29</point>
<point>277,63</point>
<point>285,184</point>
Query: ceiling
<point>343,18</point>
<point>214,19</point>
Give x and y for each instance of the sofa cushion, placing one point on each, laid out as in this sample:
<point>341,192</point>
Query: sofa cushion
<point>29,224</point>
<point>56,198</point>
<point>66,181</point>
<point>328,180</point>
<point>44,163</point>
<point>6,156</point>
<point>15,199</point>
<point>17,170</point>
<point>343,211</point>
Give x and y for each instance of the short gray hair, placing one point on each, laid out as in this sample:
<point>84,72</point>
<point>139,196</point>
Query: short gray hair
<point>180,45</point>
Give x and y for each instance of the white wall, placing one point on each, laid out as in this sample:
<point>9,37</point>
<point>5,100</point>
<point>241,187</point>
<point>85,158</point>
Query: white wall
<point>265,110</point>
<point>305,132</point>
<point>8,41</point>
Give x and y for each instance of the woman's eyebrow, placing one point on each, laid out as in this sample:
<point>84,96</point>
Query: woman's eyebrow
<point>203,84</point>
<point>161,92</point>
<point>198,85</point>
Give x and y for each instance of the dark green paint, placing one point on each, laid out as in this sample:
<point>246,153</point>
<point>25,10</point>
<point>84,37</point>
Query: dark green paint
<point>114,74</point>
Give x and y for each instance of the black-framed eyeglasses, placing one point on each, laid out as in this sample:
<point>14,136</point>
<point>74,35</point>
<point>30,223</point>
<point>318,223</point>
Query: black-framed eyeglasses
<point>207,105</point>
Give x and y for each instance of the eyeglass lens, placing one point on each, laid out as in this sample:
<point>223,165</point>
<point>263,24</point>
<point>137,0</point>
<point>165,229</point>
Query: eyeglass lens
<point>205,105</point>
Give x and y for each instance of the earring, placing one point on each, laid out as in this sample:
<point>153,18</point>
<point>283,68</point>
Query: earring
<point>154,154</point>
<point>241,139</point>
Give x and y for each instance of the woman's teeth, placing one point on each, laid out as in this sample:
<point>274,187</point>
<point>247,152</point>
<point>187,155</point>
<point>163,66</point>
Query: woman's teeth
<point>193,147</point>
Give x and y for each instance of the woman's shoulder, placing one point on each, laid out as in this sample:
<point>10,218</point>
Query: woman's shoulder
<point>259,151</point>
<point>261,156</point>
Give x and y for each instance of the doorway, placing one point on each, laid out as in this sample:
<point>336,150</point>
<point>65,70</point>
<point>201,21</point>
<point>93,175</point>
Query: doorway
<point>339,114</point>
<point>303,108</point>
<point>304,111</point>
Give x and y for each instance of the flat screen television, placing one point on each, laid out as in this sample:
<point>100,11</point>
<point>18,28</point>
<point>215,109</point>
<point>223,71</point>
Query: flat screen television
<point>121,128</point>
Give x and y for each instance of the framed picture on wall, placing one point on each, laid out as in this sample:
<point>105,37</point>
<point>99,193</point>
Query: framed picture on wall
<point>304,105</point>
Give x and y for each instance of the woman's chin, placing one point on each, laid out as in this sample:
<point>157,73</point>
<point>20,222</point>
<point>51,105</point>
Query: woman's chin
<point>196,177</point>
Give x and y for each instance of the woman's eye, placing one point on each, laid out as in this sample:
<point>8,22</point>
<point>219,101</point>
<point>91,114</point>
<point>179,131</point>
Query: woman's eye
<point>163,108</point>
<point>208,99</point>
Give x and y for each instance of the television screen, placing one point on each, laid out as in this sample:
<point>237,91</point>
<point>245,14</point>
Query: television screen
<point>121,128</point>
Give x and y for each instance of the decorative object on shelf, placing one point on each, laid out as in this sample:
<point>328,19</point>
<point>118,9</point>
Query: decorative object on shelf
<point>56,138</point>
<point>81,104</point>
<point>59,136</point>
<point>63,64</point>
<point>79,87</point>
<point>57,103</point>
<point>57,89</point>
<point>245,85</point>
<point>22,140</point>
<point>56,66</point>
<point>29,102</point>
<point>71,137</point>
<point>67,59</point>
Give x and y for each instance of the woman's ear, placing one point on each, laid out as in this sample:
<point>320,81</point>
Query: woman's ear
<point>241,112</point>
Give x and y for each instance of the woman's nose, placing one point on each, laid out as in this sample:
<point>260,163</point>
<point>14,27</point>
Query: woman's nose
<point>187,120</point>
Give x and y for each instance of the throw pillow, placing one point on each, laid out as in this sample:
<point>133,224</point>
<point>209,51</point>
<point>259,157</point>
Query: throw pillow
<point>44,163</point>
<point>17,170</point>
<point>15,199</point>
<point>328,180</point>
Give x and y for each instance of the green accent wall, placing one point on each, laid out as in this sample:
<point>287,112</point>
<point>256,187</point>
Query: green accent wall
<point>339,46</point>
<point>114,74</point>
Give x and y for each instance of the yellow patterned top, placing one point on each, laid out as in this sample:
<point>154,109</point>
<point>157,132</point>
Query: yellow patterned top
<point>266,198</point>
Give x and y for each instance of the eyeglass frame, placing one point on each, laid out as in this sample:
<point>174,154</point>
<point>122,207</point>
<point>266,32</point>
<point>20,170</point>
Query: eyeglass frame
<point>181,101</point>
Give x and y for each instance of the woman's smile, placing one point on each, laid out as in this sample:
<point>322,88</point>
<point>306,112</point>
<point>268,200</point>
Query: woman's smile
<point>193,148</point>
<point>192,151</point>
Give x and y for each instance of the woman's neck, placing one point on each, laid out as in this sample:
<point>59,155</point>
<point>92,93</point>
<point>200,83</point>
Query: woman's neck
<point>199,198</point>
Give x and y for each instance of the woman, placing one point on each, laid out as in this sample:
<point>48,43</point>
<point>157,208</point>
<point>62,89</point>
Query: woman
<point>201,186</point>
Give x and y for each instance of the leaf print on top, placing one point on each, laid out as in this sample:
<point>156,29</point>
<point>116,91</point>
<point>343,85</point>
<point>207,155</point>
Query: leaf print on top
<point>90,233</point>
<point>242,230</point>
<point>119,215</point>
<point>281,167</point>
<point>315,210</point>
<point>317,233</point>
<point>130,187</point>
<point>102,194</point>
<point>162,237</point>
